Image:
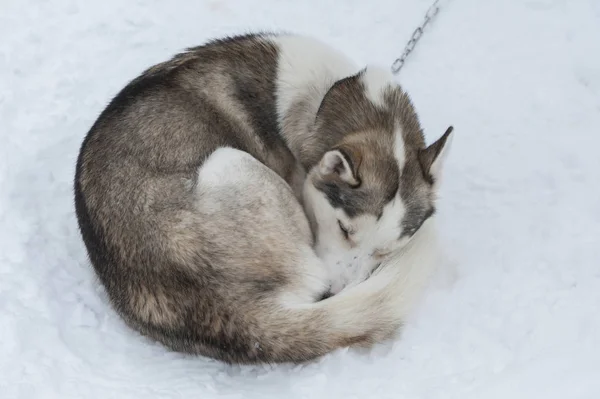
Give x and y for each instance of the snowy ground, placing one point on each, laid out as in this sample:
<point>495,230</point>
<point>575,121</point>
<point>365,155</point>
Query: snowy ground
<point>519,80</point>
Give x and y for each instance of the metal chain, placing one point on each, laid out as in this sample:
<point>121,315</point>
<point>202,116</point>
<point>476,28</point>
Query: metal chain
<point>429,15</point>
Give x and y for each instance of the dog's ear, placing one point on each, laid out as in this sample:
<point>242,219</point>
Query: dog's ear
<point>432,158</point>
<point>341,163</point>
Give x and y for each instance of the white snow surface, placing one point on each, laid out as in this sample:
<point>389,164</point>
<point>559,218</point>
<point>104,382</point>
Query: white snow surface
<point>519,208</point>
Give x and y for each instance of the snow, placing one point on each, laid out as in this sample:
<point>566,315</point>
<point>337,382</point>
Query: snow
<point>520,206</point>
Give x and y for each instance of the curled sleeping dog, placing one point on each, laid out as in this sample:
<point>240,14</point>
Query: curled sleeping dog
<point>189,190</point>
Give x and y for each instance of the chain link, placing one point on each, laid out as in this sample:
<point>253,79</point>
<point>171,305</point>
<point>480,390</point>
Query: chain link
<point>429,15</point>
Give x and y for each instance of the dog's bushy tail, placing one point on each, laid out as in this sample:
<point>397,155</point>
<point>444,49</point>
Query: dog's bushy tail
<point>361,315</point>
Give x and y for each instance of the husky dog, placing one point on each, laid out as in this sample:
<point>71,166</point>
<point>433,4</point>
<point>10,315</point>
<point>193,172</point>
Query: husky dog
<point>188,193</point>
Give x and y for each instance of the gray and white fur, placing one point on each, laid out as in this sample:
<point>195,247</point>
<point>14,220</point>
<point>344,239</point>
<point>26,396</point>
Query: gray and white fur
<point>188,193</point>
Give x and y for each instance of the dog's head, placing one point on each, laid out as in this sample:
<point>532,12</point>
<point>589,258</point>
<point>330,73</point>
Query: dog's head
<point>373,190</point>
